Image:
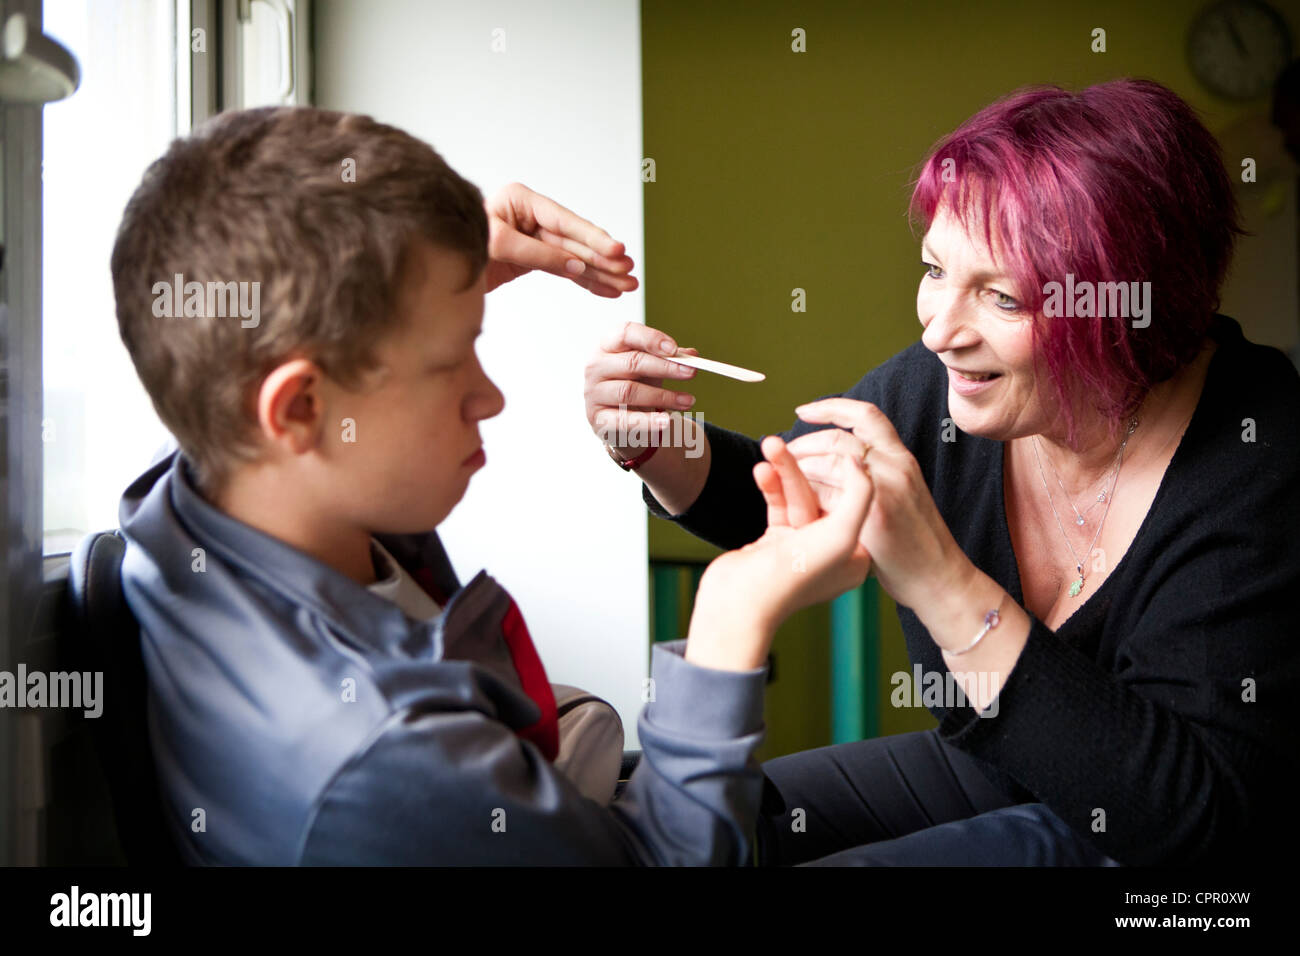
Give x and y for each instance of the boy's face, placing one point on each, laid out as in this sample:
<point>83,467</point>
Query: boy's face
<point>415,443</point>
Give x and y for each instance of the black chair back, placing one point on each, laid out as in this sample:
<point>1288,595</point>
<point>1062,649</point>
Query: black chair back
<point>110,639</point>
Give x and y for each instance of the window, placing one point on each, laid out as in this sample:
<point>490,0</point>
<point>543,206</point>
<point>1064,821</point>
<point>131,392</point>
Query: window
<point>99,428</point>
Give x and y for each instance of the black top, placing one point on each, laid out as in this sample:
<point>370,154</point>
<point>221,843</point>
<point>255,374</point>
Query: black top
<point>1167,700</point>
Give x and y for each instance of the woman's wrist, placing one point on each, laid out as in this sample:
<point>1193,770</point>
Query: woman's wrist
<point>983,669</point>
<point>678,472</point>
<point>957,605</point>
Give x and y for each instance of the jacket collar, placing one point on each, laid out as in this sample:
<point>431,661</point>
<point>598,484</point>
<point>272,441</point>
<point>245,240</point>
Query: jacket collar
<point>363,616</point>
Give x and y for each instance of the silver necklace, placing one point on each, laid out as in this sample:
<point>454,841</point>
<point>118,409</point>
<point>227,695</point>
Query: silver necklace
<point>1077,585</point>
<point>1101,495</point>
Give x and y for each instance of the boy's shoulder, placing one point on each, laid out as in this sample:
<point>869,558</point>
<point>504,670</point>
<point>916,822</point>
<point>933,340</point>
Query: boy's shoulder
<point>270,672</point>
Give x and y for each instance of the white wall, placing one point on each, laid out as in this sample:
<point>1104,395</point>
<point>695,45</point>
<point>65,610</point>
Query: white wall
<point>550,517</point>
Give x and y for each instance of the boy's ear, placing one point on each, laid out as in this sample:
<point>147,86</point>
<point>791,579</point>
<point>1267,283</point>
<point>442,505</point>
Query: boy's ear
<point>290,413</point>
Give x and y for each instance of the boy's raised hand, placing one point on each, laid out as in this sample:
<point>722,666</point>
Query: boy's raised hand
<point>806,556</point>
<point>528,231</point>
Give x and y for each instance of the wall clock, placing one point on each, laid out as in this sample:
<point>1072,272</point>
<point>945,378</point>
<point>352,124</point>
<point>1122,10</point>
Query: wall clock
<point>1237,48</point>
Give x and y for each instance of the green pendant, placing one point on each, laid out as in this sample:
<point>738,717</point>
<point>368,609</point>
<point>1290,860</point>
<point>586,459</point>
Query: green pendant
<point>1076,587</point>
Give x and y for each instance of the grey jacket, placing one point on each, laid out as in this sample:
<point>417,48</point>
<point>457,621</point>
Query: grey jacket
<point>298,718</point>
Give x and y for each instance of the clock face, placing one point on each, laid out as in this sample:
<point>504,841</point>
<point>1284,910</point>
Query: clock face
<point>1237,48</point>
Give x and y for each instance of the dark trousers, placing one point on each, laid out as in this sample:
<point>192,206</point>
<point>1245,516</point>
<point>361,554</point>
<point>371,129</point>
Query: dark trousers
<point>904,800</point>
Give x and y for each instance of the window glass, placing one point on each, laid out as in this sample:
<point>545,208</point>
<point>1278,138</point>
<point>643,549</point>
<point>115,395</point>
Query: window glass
<point>99,428</point>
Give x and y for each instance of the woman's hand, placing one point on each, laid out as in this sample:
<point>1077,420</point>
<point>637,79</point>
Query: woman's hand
<point>805,557</point>
<point>914,552</point>
<point>527,231</point>
<point>623,383</point>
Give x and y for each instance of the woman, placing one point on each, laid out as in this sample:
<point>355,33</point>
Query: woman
<point>1097,543</point>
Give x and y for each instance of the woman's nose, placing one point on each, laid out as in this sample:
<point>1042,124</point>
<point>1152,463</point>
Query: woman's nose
<point>943,320</point>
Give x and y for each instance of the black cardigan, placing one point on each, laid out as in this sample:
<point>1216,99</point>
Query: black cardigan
<point>1168,700</point>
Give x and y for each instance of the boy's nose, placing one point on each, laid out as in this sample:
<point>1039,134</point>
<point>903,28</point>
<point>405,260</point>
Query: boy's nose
<point>487,402</point>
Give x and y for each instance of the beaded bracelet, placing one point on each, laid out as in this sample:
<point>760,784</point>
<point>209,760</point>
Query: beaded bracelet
<point>991,620</point>
<point>631,464</point>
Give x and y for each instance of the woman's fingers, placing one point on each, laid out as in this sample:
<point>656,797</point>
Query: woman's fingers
<point>618,426</point>
<point>627,372</point>
<point>867,422</point>
<point>637,349</point>
<point>645,366</point>
<point>801,502</point>
<point>821,469</point>
<point>827,441</point>
<point>615,392</point>
<point>638,337</point>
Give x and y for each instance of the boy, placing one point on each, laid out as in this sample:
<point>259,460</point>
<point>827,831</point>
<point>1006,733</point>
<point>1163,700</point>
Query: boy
<point>322,688</point>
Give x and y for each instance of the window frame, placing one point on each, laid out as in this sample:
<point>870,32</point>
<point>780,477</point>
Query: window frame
<point>33,585</point>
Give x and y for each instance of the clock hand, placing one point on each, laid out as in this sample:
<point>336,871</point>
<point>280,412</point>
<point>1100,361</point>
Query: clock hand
<point>1236,37</point>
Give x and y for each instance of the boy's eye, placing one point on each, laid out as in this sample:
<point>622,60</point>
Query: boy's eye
<point>931,270</point>
<point>469,355</point>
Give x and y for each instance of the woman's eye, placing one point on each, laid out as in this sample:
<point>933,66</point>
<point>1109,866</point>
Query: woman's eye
<point>1005,302</point>
<point>931,270</point>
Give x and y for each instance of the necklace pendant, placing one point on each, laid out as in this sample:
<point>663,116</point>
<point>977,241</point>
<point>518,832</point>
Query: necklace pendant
<point>1079,521</point>
<point>1076,587</point>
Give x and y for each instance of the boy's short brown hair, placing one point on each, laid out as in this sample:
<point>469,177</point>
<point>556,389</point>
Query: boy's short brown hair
<point>319,209</point>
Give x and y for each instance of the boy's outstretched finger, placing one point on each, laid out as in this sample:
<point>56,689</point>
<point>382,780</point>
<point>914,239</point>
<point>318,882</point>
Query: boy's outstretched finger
<point>843,523</point>
<point>856,492</point>
<point>619,265</point>
<point>800,500</point>
<point>560,220</point>
<point>769,483</point>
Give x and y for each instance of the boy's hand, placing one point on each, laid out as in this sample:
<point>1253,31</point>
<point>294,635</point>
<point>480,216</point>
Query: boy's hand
<point>805,557</point>
<point>527,231</point>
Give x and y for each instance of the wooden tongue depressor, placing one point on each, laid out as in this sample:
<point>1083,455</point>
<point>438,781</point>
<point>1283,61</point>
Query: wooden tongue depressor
<point>721,368</point>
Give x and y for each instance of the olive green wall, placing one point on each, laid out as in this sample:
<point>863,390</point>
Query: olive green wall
<point>776,170</point>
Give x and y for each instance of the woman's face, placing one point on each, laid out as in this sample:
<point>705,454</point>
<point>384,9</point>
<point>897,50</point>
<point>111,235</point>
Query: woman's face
<point>974,321</point>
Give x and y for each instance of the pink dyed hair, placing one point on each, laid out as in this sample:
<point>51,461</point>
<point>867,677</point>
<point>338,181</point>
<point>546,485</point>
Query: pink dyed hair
<point>1119,182</point>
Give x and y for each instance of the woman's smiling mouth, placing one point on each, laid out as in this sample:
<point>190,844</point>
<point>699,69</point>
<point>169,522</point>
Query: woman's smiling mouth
<point>966,385</point>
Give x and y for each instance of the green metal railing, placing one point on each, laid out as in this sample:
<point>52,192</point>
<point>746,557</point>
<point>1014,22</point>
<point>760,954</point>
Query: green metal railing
<point>855,642</point>
<point>855,663</point>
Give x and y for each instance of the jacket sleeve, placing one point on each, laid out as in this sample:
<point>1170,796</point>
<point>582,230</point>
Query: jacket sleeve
<point>1184,753</point>
<point>456,787</point>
